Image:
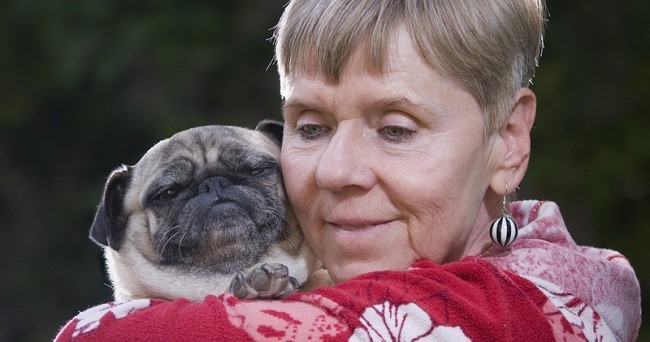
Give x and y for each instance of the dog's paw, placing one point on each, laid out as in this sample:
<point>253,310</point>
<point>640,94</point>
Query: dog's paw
<point>264,281</point>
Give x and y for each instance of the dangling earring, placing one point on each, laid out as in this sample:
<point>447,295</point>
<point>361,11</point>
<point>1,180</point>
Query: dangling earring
<point>503,230</point>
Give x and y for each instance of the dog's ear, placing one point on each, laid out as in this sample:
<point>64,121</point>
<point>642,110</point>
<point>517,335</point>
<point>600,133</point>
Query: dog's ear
<point>272,128</point>
<point>110,219</point>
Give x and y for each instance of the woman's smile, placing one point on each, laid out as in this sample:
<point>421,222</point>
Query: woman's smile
<point>357,226</point>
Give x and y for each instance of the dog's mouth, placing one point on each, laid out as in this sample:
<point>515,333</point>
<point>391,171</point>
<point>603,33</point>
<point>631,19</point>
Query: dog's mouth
<point>223,238</point>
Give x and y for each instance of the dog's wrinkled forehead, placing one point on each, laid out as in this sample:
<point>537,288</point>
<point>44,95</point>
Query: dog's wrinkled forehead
<point>200,146</point>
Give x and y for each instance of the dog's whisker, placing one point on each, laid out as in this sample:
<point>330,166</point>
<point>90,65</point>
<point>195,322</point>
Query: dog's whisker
<point>176,231</point>
<point>168,241</point>
<point>180,250</point>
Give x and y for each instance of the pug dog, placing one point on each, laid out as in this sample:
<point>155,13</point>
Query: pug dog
<point>203,212</point>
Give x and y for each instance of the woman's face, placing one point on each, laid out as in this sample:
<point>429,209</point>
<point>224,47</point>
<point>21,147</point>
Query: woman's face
<point>384,170</point>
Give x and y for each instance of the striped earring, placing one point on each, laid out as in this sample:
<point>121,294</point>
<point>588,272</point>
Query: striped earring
<point>503,230</point>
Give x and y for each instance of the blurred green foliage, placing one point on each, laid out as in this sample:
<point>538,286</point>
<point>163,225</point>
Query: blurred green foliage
<point>85,86</point>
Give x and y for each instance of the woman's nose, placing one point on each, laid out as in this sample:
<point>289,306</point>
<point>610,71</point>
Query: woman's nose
<point>345,161</point>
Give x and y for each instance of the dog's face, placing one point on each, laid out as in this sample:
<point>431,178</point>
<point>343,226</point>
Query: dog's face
<point>201,205</point>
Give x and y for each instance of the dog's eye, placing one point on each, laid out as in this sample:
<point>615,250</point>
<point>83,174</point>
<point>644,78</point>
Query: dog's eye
<point>259,170</point>
<point>166,195</point>
<point>262,170</point>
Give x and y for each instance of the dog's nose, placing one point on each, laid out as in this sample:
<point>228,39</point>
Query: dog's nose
<point>214,185</point>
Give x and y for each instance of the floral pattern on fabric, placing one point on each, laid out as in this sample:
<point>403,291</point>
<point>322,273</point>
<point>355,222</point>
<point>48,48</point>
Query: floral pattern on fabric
<point>90,319</point>
<point>403,323</point>
<point>584,321</point>
<point>290,321</point>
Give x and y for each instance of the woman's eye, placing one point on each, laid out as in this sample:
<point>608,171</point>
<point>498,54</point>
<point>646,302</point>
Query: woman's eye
<point>312,131</point>
<point>396,133</point>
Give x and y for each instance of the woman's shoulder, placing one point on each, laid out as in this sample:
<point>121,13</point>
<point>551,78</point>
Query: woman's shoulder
<point>601,280</point>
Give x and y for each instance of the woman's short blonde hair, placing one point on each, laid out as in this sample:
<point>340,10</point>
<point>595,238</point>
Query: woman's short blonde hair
<point>491,47</point>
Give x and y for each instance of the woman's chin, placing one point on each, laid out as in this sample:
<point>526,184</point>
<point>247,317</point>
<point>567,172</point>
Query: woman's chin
<point>351,269</point>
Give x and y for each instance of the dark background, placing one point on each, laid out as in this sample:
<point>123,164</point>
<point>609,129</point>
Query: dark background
<point>86,86</point>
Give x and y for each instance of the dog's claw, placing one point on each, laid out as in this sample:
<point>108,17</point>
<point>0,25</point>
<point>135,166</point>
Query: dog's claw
<point>264,281</point>
<point>239,287</point>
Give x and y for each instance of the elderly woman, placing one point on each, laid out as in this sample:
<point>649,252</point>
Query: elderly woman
<point>407,125</point>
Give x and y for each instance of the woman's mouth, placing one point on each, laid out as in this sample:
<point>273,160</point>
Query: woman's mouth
<point>357,225</point>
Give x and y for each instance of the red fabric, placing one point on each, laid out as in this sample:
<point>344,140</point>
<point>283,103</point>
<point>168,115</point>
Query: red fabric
<point>543,287</point>
<point>480,301</point>
<point>486,303</point>
<point>157,320</point>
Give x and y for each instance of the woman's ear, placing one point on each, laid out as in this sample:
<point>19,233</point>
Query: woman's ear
<point>515,138</point>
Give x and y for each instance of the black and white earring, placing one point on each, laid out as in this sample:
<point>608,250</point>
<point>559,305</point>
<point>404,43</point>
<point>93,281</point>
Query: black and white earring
<point>504,230</point>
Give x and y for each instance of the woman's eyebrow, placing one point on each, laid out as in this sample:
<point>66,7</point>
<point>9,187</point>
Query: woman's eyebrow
<point>389,101</point>
<point>293,105</point>
<point>399,101</point>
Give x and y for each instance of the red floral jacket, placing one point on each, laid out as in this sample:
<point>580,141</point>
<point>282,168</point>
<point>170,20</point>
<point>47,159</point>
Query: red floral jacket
<point>543,287</point>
